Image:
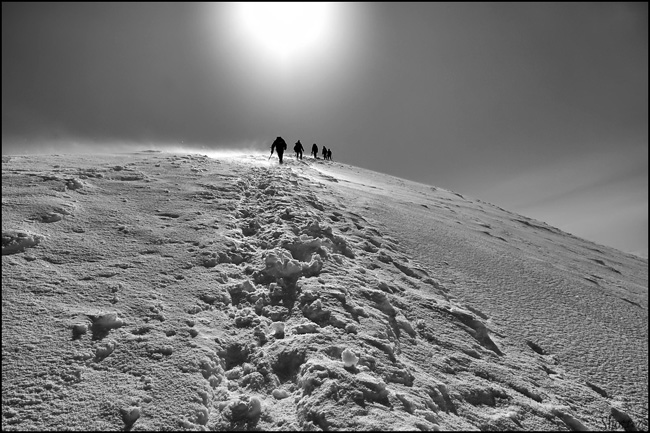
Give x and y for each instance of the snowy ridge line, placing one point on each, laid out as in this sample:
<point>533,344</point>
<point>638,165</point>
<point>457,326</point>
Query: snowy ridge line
<point>181,291</point>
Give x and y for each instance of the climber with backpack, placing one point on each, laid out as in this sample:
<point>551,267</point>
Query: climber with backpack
<point>279,145</point>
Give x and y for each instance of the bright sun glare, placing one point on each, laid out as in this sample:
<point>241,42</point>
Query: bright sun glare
<point>284,29</point>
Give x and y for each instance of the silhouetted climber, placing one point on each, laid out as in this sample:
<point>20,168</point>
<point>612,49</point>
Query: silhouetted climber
<point>298,149</point>
<point>329,154</point>
<point>280,145</point>
<point>324,152</point>
<point>314,150</point>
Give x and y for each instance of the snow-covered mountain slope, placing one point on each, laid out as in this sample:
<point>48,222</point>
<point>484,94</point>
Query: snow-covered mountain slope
<point>168,291</point>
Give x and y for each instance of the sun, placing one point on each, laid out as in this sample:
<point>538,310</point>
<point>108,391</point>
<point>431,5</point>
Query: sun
<point>285,29</point>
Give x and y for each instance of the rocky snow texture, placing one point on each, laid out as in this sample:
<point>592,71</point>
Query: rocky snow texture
<point>152,291</point>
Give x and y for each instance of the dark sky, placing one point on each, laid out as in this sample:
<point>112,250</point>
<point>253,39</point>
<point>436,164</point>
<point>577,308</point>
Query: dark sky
<point>541,108</point>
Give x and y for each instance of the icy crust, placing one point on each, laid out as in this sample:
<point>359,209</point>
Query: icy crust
<point>250,299</point>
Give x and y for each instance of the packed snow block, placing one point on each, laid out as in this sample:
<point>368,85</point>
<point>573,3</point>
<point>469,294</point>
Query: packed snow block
<point>103,323</point>
<point>477,329</point>
<point>572,422</point>
<point>16,241</point>
<point>247,287</point>
<point>305,328</point>
<point>282,264</point>
<point>130,415</point>
<point>280,394</point>
<point>277,329</point>
<point>78,330</point>
<point>244,408</point>
<point>304,247</point>
<point>312,268</point>
<point>73,184</point>
<point>349,358</point>
<point>623,419</point>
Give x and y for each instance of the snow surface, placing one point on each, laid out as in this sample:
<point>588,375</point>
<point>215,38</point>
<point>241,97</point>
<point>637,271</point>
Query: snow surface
<point>155,290</point>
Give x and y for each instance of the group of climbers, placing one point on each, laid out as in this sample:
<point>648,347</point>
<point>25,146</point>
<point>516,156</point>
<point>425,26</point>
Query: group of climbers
<point>279,146</point>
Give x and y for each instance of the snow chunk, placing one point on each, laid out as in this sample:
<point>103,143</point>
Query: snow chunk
<point>277,329</point>
<point>16,241</point>
<point>349,358</point>
<point>306,328</point>
<point>279,394</point>
<point>243,408</point>
<point>130,415</point>
<point>281,264</point>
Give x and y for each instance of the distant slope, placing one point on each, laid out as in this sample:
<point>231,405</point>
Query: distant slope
<point>165,291</point>
<point>584,302</point>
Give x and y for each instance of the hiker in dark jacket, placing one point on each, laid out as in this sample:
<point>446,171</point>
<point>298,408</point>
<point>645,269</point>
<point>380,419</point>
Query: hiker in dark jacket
<point>314,150</point>
<point>324,152</point>
<point>298,149</point>
<point>280,145</point>
<point>329,154</point>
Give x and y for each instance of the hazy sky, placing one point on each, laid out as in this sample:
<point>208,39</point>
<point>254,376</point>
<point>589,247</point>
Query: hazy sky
<point>540,108</point>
